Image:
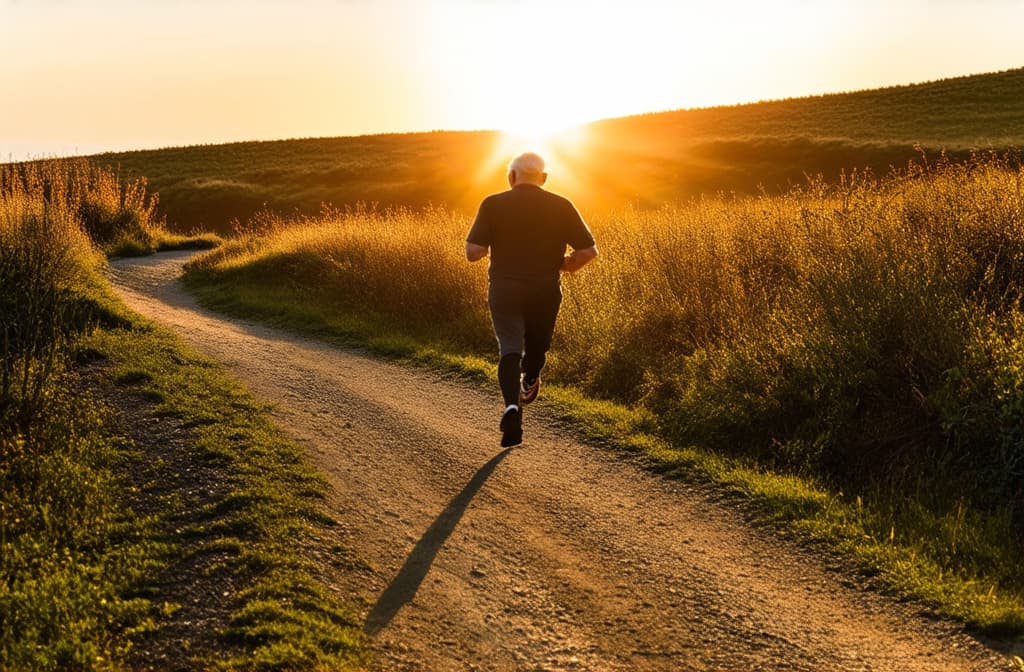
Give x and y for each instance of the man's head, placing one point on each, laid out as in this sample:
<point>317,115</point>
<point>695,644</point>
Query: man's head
<point>527,168</point>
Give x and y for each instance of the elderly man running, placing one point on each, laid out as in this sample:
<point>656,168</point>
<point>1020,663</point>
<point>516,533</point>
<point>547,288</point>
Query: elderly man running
<point>527,230</point>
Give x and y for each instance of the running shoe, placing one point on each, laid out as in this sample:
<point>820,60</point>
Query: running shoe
<point>511,427</point>
<point>528,390</point>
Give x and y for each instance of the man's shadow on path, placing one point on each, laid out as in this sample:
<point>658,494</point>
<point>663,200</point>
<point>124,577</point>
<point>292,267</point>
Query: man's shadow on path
<point>404,586</point>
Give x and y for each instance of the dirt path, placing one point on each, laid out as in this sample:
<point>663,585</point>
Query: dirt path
<point>549,556</point>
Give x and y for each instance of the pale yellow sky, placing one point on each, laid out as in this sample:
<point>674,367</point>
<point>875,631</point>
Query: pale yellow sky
<point>80,76</point>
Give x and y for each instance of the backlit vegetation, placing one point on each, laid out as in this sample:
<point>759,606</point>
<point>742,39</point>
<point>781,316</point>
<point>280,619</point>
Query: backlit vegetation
<point>62,574</point>
<point>78,565</point>
<point>643,160</point>
<point>864,336</point>
<point>118,216</point>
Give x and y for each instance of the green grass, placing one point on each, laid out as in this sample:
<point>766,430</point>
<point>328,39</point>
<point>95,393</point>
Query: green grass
<point>283,618</point>
<point>643,160</point>
<point>82,548</point>
<point>72,550</point>
<point>912,563</point>
<point>846,357</point>
<point>77,561</point>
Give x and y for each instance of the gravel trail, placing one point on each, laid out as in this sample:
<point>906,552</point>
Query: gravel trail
<point>553,555</point>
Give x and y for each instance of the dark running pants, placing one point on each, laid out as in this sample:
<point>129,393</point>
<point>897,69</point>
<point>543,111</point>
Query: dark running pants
<point>523,313</point>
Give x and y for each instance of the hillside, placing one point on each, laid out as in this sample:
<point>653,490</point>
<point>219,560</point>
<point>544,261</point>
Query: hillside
<point>959,113</point>
<point>645,159</point>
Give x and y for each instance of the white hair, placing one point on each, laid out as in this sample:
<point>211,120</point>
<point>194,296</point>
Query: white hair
<point>528,163</point>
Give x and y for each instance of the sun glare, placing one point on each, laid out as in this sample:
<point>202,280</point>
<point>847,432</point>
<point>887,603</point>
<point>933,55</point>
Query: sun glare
<point>560,147</point>
<point>549,66</point>
<point>539,139</point>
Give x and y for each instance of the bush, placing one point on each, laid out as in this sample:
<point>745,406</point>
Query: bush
<point>862,332</point>
<point>116,215</point>
<point>881,307</point>
<point>67,546</point>
<point>44,256</point>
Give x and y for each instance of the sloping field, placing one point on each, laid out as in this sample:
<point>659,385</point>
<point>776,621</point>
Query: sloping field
<point>643,160</point>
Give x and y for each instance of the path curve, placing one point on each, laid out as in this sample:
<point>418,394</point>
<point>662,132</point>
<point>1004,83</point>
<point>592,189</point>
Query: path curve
<point>550,556</point>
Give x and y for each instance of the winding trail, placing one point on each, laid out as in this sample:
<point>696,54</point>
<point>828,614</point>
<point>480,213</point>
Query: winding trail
<point>553,555</point>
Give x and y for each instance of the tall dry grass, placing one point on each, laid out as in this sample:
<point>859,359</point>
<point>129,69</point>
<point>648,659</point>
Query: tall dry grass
<point>119,216</point>
<point>68,549</point>
<point>866,332</point>
<point>45,256</point>
<point>394,265</point>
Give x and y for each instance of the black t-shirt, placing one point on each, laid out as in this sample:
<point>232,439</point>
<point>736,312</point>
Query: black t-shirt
<point>527,229</point>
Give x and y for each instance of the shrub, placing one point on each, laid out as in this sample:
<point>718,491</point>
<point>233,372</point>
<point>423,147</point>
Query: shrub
<point>114,214</point>
<point>862,332</point>
<point>67,543</point>
<point>44,256</point>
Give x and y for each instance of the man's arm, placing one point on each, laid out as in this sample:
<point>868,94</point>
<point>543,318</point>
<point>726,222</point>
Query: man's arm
<point>475,252</point>
<point>578,259</point>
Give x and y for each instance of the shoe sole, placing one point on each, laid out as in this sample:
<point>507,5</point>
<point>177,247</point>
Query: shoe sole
<point>511,429</point>
<point>526,396</point>
<point>509,441</point>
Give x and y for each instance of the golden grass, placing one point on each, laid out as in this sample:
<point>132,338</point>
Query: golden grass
<point>70,549</point>
<point>644,160</point>
<point>75,557</point>
<point>119,216</point>
<point>865,335</point>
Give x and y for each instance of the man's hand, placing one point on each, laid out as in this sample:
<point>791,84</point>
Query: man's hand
<point>578,259</point>
<point>475,252</point>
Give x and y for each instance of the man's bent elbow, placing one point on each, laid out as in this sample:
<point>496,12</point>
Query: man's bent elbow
<point>578,259</point>
<point>475,252</point>
<point>586,255</point>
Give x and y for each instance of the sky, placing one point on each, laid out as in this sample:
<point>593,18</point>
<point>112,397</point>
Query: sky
<point>82,76</point>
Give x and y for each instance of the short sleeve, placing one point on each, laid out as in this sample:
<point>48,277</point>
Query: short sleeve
<point>578,234</point>
<point>480,233</point>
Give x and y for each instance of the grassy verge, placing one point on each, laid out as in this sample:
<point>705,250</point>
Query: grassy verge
<point>164,241</point>
<point>72,551</point>
<point>913,561</point>
<point>261,521</point>
<point>85,553</point>
<point>845,358</point>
